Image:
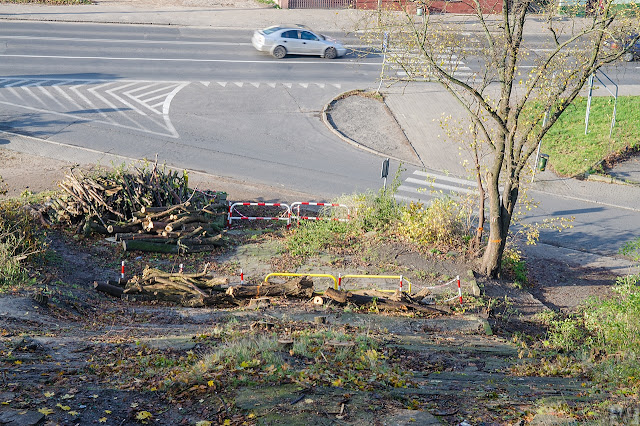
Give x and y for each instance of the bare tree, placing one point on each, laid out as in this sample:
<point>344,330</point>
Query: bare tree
<point>506,101</point>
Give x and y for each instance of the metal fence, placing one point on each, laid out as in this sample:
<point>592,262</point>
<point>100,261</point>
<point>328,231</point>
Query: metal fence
<point>321,4</point>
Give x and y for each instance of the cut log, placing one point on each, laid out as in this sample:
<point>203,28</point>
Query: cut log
<point>301,287</point>
<point>379,302</point>
<point>318,300</point>
<point>141,245</point>
<point>109,289</point>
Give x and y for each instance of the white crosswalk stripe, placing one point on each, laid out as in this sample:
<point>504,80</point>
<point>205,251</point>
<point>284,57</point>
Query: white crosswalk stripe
<point>132,104</point>
<point>140,105</point>
<point>423,186</point>
<point>415,67</point>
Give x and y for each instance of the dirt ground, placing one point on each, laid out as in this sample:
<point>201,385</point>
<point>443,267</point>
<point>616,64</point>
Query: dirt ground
<point>87,358</point>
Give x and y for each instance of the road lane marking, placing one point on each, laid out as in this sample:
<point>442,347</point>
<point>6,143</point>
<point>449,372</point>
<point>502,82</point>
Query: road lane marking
<point>444,177</point>
<point>99,100</point>
<point>236,61</point>
<point>440,185</point>
<point>109,40</point>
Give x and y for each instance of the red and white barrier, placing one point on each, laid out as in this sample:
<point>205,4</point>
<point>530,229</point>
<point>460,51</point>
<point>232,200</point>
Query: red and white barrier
<point>297,205</point>
<point>457,296</point>
<point>232,209</point>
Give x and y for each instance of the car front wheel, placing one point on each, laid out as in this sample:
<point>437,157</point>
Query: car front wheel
<point>279,52</point>
<point>628,57</point>
<point>330,53</point>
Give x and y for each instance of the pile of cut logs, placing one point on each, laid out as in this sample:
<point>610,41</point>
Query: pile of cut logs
<point>200,289</point>
<point>204,289</point>
<point>176,229</point>
<point>147,208</point>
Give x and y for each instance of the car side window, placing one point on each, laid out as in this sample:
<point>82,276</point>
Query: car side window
<point>306,35</point>
<point>290,34</point>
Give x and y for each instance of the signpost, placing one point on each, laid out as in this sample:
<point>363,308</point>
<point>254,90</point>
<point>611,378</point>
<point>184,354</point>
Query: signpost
<point>385,172</point>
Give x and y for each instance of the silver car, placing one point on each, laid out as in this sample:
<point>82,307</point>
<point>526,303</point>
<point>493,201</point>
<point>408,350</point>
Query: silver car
<point>280,40</point>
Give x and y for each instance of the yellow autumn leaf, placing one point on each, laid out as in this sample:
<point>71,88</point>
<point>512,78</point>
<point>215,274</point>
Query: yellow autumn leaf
<point>63,407</point>
<point>49,394</point>
<point>94,396</point>
<point>210,383</point>
<point>143,415</point>
<point>107,411</point>
<point>6,402</point>
<point>134,404</point>
<point>227,422</point>
<point>337,382</point>
<point>45,411</point>
<point>73,413</point>
<point>18,362</point>
<point>204,423</point>
<point>251,416</point>
<point>102,420</point>
<point>67,396</point>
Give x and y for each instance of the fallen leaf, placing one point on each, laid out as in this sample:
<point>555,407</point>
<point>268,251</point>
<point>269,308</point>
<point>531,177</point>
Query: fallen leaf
<point>6,402</point>
<point>134,404</point>
<point>45,411</point>
<point>67,396</point>
<point>18,362</point>
<point>143,415</point>
<point>204,423</point>
<point>49,394</point>
<point>210,383</point>
<point>63,407</point>
<point>73,413</point>
<point>107,411</point>
<point>102,420</point>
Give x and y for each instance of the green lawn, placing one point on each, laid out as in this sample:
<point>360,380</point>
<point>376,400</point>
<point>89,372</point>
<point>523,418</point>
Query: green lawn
<point>571,152</point>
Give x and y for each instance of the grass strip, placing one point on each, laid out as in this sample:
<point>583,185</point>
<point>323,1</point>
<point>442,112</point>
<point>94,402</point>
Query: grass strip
<point>573,153</point>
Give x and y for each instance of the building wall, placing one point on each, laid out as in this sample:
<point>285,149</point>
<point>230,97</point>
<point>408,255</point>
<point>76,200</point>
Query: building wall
<point>437,6</point>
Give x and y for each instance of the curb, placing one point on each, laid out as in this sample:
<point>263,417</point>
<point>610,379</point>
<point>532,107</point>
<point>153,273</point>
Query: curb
<point>358,145</point>
<point>609,179</point>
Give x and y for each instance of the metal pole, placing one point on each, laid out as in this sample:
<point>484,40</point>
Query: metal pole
<point>586,118</point>
<point>535,167</point>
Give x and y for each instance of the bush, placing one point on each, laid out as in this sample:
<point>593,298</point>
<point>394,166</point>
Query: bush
<point>18,239</point>
<point>615,322</point>
<point>444,222</point>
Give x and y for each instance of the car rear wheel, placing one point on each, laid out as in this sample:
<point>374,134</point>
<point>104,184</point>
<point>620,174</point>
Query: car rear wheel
<point>279,52</point>
<point>628,57</point>
<point>331,53</point>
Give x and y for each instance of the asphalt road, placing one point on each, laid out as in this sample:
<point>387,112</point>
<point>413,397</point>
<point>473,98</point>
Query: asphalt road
<point>204,99</point>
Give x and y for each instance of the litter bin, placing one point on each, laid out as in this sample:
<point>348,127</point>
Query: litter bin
<point>543,162</point>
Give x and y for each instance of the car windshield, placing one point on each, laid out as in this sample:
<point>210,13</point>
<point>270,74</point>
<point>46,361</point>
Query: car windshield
<point>270,30</point>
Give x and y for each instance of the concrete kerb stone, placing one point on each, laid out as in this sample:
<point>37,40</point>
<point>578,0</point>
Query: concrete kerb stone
<point>358,145</point>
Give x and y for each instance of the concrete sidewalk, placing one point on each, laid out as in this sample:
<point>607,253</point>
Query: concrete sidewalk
<point>420,108</point>
<point>231,18</point>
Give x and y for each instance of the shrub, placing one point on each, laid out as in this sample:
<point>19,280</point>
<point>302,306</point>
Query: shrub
<point>18,239</point>
<point>443,222</point>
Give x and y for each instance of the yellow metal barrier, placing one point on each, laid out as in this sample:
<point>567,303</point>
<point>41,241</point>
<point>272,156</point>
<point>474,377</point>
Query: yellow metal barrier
<point>399,277</point>
<point>290,274</point>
